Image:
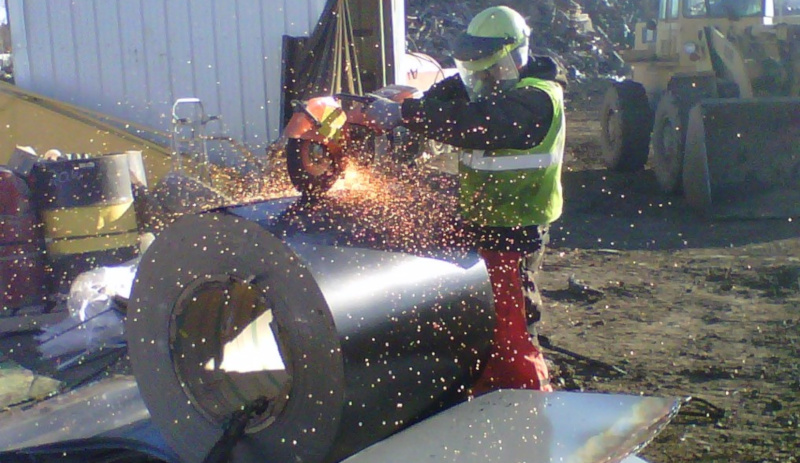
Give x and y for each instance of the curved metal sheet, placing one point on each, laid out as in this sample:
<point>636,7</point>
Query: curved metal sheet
<point>532,427</point>
<point>105,414</point>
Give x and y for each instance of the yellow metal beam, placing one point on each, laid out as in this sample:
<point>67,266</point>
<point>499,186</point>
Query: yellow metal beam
<point>28,119</point>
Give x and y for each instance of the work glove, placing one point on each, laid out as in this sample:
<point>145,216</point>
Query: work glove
<point>383,114</point>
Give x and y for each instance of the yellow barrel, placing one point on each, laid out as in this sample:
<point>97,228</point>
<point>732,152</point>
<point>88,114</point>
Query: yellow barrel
<point>86,208</point>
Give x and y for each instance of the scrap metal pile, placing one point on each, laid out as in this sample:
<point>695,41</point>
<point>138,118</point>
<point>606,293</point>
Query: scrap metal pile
<point>585,34</point>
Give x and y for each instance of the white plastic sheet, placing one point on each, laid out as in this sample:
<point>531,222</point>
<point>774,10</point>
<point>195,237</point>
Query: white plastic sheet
<point>93,321</point>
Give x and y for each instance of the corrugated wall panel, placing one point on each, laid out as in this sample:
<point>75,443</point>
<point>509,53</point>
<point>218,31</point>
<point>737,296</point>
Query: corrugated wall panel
<point>111,73</point>
<point>134,65</point>
<point>179,49</point>
<point>156,63</point>
<point>271,48</point>
<point>205,68</point>
<point>41,64</point>
<point>229,64</point>
<point>133,58</point>
<point>296,17</point>
<point>252,69</point>
<point>59,18</point>
<point>87,61</point>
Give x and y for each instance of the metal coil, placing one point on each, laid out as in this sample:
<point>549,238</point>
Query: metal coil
<point>347,344</point>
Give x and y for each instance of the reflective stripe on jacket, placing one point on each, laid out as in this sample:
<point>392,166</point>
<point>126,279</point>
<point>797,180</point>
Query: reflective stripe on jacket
<point>509,188</point>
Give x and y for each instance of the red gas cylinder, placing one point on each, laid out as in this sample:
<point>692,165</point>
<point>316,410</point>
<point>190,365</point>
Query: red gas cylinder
<point>22,270</point>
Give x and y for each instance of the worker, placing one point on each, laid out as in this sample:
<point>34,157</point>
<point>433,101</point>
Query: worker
<point>504,111</point>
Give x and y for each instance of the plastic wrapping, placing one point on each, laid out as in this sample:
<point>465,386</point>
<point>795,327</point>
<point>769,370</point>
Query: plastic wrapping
<point>93,320</point>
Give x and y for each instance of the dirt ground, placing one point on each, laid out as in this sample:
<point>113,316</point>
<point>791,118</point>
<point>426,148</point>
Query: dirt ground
<point>684,306</point>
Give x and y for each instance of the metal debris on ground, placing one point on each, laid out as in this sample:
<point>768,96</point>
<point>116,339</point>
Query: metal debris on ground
<point>579,288</point>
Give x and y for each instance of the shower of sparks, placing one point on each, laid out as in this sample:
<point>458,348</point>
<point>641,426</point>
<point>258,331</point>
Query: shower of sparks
<point>387,207</point>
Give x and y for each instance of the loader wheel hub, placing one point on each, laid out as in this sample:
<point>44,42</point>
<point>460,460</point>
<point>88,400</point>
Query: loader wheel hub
<point>671,153</point>
<point>670,140</point>
<point>614,126</point>
<point>626,122</point>
<point>226,349</point>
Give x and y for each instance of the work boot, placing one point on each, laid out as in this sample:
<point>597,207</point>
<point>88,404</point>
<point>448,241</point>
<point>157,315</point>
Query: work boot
<point>514,370</point>
<point>514,362</point>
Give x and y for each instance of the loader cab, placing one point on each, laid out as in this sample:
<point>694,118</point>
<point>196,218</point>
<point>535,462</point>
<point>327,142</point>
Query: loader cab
<point>787,7</point>
<point>668,29</point>
<point>735,10</point>
<point>730,9</point>
<point>674,37</point>
<point>658,50</point>
<point>658,38</point>
<point>680,20</point>
<point>783,11</point>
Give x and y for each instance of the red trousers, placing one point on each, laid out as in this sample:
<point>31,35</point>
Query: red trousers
<point>514,362</point>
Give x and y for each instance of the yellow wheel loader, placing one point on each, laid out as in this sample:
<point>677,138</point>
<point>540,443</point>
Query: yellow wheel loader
<point>713,100</point>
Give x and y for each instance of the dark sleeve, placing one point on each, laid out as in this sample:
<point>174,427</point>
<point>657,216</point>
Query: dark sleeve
<point>451,88</point>
<point>517,119</point>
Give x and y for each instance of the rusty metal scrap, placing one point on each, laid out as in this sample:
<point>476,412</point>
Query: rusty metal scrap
<point>586,34</point>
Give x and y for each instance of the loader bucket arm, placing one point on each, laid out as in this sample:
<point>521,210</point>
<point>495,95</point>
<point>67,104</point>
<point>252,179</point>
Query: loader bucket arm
<point>728,61</point>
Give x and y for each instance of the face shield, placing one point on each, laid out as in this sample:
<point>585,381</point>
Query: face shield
<point>488,65</point>
<point>499,77</point>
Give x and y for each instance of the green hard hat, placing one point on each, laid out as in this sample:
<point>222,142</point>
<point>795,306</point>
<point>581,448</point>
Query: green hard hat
<point>492,34</point>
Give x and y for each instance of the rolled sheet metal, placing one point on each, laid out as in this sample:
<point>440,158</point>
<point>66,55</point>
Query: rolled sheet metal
<point>348,344</point>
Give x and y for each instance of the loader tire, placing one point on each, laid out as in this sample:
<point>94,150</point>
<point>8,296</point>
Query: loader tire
<point>626,120</point>
<point>669,137</point>
<point>311,166</point>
